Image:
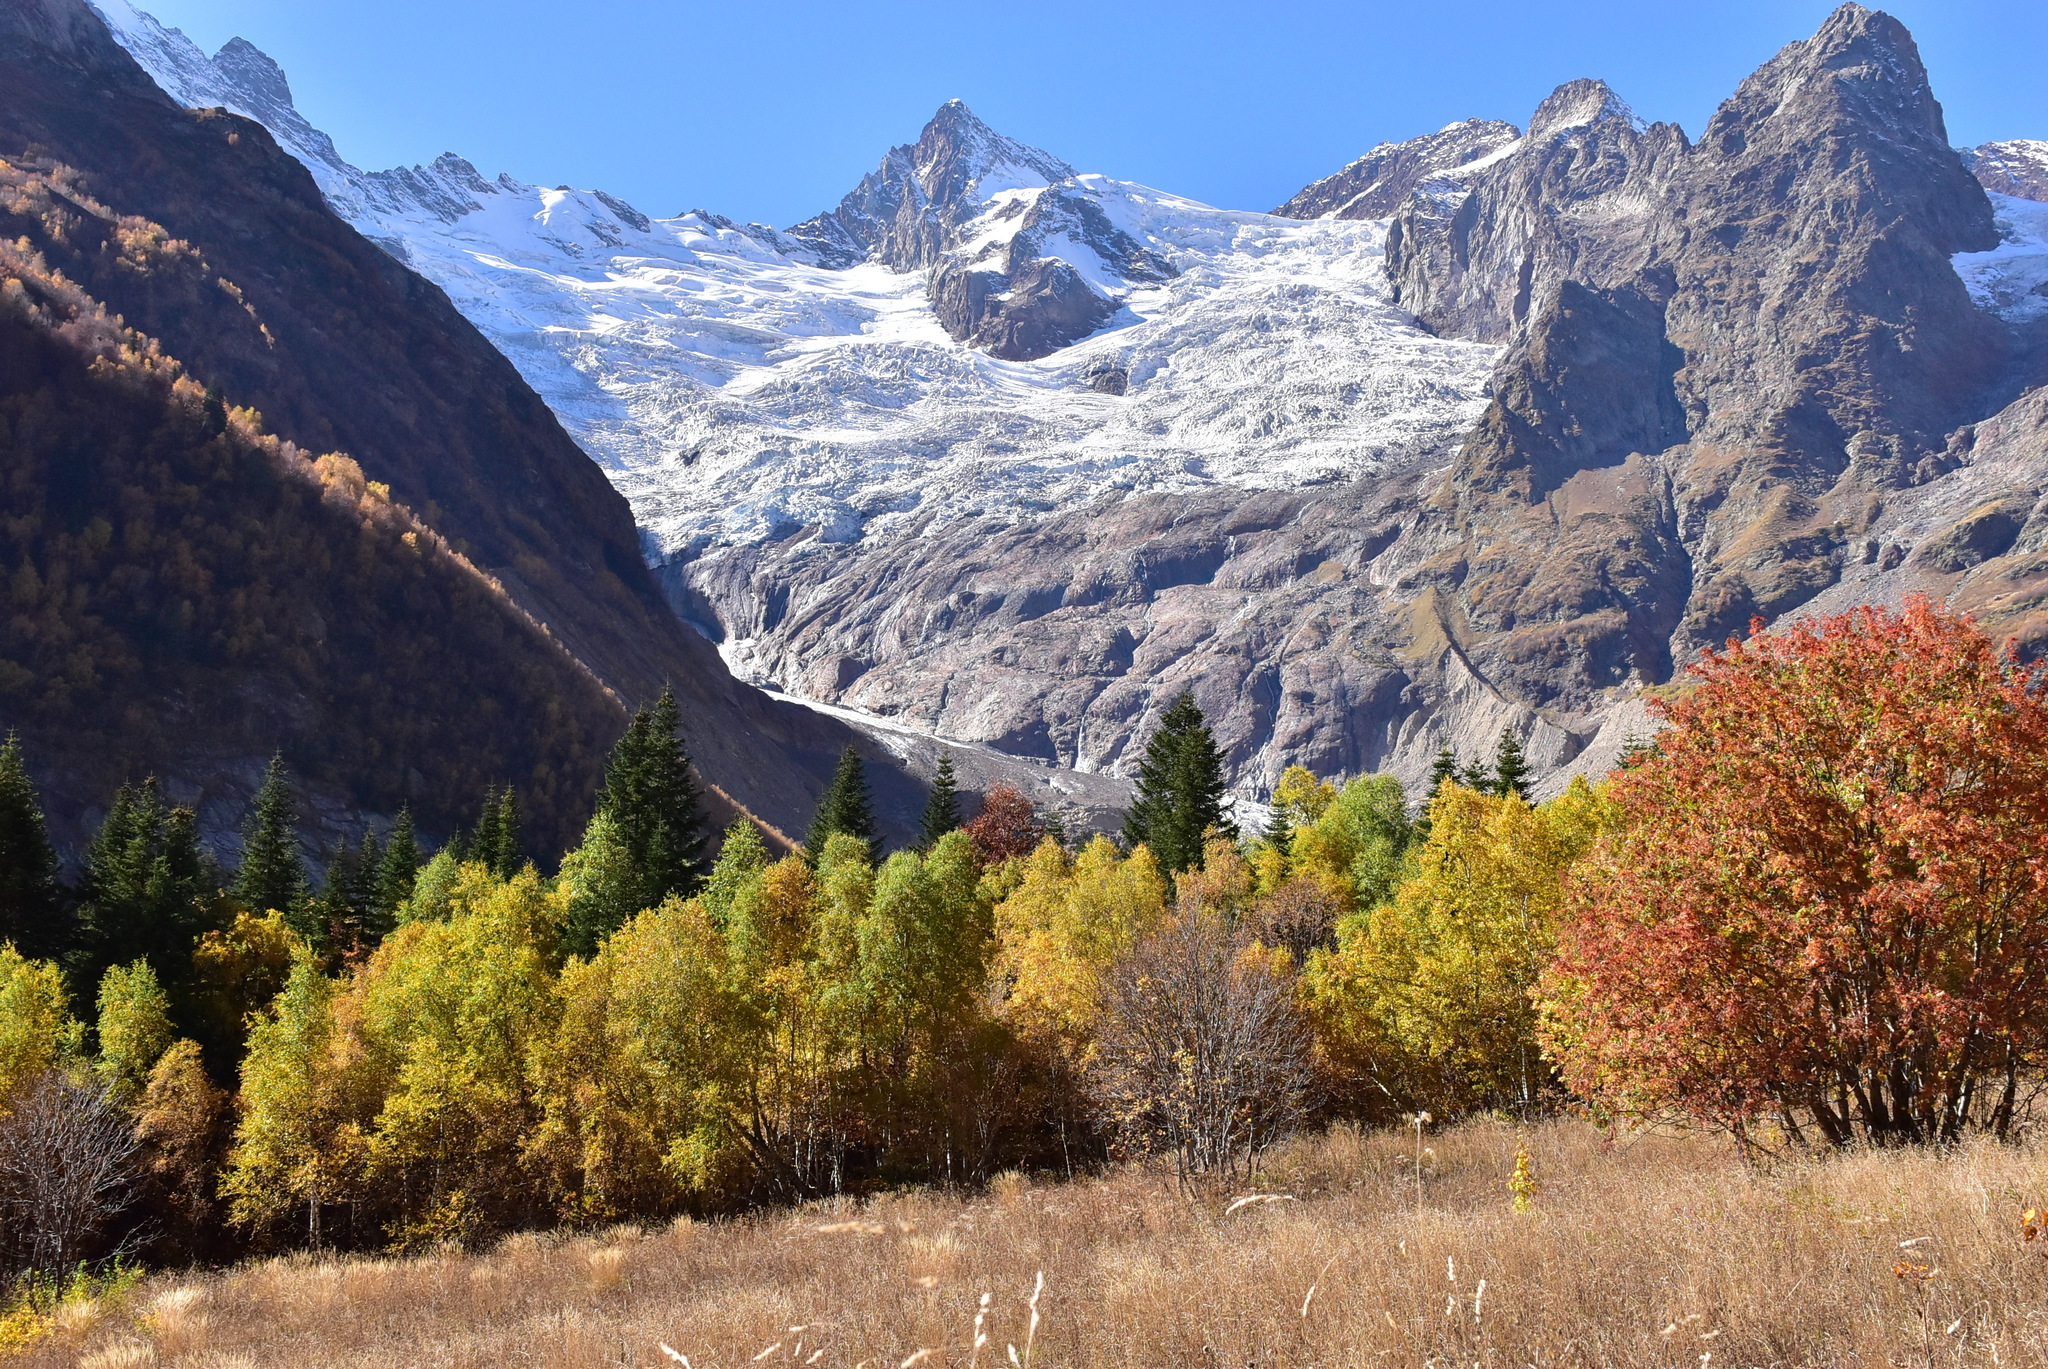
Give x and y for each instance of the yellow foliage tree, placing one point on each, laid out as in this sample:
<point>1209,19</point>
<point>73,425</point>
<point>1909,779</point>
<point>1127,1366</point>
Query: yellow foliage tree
<point>37,1031</point>
<point>1426,999</point>
<point>1062,928</point>
<point>448,1017</point>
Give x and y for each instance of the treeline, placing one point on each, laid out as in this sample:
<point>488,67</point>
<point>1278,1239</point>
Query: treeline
<point>1840,827</point>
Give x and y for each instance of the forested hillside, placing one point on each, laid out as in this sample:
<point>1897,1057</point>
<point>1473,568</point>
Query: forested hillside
<point>274,301</point>
<point>184,590</point>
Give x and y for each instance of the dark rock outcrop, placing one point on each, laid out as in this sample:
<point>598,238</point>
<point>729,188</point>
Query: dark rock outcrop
<point>1018,286</point>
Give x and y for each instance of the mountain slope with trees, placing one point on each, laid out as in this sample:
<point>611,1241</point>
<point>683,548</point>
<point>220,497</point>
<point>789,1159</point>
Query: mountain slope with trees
<point>263,295</point>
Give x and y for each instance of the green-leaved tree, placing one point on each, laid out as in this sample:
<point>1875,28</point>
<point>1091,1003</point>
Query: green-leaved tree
<point>149,888</point>
<point>273,876</point>
<point>1510,767</point>
<point>646,840</point>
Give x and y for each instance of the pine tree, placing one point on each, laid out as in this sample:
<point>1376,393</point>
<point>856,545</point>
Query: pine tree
<point>846,807</point>
<point>942,809</point>
<point>1180,791</point>
<point>1510,770</point>
<point>654,802</point>
<point>33,911</point>
<point>148,888</point>
<point>1446,768</point>
<point>480,843</point>
<point>397,870</point>
<point>273,877</point>
<point>506,855</point>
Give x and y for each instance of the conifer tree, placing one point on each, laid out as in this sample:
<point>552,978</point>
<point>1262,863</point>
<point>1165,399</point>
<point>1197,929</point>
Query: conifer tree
<point>942,809</point>
<point>846,808</point>
<point>1510,769</point>
<point>1446,768</point>
<point>148,888</point>
<point>1180,792</point>
<point>33,911</point>
<point>480,843</point>
<point>651,806</point>
<point>507,853</point>
<point>397,870</point>
<point>273,877</point>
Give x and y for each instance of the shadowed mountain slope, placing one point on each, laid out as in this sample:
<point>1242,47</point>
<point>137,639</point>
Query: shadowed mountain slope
<point>342,349</point>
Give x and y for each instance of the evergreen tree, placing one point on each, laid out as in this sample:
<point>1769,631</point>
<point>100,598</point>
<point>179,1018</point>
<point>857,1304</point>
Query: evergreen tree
<point>846,807</point>
<point>1446,768</point>
<point>148,888</point>
<point>1510,770</point>
<point>1180,792</point>
<point>942,809</point>
<point>397,870</point>
<point>33,911</point>
<point>507,853</point>
<point>480,843</point>
<point>654,804</point>
<point>273,877</point>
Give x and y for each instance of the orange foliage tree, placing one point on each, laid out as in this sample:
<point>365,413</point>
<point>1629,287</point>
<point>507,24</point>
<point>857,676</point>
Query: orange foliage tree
<point>1007,828</point>
<point>1827,906</point>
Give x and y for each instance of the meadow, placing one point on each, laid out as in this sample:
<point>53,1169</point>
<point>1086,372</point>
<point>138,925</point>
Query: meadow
<point>1656,1248</point>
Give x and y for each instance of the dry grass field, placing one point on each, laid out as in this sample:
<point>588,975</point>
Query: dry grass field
<point>1661,1250</point>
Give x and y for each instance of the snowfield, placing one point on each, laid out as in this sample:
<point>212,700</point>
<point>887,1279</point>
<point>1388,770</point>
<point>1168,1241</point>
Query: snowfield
<point>738,391</point>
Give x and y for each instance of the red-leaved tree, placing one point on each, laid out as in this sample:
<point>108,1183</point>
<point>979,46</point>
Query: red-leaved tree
<point>1007,826</point>
<point>1829,906</point>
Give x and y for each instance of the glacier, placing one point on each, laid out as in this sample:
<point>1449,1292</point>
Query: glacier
<point>737,388</point>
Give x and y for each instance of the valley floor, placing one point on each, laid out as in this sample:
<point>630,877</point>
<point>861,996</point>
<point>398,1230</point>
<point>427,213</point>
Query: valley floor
<point>1657,1250</point>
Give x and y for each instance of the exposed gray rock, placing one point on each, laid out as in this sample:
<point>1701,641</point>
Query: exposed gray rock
<point>1379,184</point>
<point>2018,167</point>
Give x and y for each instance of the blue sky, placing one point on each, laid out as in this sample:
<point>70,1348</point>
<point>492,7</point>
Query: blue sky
<point>771,111</point>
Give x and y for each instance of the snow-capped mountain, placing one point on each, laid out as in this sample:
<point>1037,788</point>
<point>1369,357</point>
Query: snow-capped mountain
<point>741,383</point>
<point>1490,428</point>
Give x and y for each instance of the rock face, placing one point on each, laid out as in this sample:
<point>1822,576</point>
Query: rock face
<point>1380,183</point>
<point>1020,265</point>
<point>343,349</point>
<point>1769,319</point>
<point>2018,167</point>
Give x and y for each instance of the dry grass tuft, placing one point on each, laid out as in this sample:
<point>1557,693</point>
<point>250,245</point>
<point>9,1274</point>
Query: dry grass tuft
<point>1661,1250</point>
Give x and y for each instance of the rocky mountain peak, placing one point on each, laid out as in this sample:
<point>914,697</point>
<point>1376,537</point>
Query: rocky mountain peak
<point>1861,74</point>
<point>905,210</point>
<point>1581,104</point>
<point>959,158</point>
<point>253,69</point>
